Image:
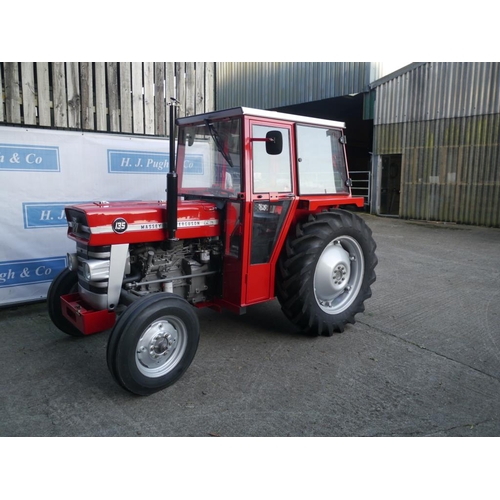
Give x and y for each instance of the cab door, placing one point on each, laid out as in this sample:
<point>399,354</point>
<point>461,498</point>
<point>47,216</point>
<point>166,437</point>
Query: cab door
<point>271,201</point>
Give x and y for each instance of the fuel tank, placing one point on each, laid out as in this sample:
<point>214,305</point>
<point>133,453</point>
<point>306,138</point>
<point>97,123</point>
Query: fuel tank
<point>109,223</point>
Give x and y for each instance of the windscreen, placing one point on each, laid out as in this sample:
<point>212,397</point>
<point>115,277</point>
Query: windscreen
<point>211,154</point>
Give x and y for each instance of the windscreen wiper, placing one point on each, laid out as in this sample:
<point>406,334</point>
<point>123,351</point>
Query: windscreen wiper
<point>220,146</point>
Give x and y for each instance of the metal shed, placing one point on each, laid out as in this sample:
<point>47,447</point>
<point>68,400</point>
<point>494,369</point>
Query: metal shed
<point>436,147</point>
<point>271,85</point>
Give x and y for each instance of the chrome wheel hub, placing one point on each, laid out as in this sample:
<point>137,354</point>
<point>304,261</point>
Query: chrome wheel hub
<point>338,275</point>
<point>161,346</point>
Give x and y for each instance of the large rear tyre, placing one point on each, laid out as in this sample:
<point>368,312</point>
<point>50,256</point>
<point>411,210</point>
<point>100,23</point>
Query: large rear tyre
<point>325,272</point>
<point>64,283</point>
<point>153,343</point>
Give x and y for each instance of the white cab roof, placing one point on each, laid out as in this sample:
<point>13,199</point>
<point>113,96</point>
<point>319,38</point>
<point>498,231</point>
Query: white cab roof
<point>259,113</point>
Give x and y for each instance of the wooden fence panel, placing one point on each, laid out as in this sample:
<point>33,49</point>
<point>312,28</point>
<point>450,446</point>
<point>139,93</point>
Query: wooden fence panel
<point>125,97</point>
<point>59,109</point>
<point>149,98</point>
<point>43,91</point>
<point>190,89</point>
<point>73,95</point>
<point>87,102</point>
<point>29,93</point>
<point>59,95</point>
<point>2,114</point>
<point>180,79</point>
<point>170,91</point>
<point>104,96</point>
<point>159,98</point>
<point>200,88</point>
<point>101,108</point>
<point>113,97</point>
<point>12,97</point>
<point>209,86</point>
<point>137,99</point>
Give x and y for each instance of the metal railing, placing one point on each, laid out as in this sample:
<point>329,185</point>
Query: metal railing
<point>361,185</point>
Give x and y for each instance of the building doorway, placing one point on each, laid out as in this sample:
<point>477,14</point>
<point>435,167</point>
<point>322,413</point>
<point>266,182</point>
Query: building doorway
<point>390,184</point>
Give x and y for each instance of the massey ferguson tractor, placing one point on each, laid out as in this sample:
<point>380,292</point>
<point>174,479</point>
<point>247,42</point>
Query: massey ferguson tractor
<point>253,212</point>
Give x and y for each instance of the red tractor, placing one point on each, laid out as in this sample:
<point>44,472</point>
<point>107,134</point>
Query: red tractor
<point>253,212</point>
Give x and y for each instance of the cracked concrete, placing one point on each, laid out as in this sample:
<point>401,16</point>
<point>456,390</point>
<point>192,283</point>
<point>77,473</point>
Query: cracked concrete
<point>423,360</point>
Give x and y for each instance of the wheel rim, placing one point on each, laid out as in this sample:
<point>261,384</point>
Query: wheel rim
<point>161,346</point>
<point>338,275</point>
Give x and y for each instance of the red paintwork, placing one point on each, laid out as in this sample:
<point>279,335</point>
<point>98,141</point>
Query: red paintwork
<point>146,221</point>
<point>313,204</point>
<point>243,283</point>
<point>87,320</point>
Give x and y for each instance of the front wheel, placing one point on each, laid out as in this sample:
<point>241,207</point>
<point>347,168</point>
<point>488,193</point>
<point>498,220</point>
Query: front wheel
<point>325,272</point>
<point>153,343</point>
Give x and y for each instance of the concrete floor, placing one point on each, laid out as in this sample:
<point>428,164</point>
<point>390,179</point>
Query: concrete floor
<point>423,360</point>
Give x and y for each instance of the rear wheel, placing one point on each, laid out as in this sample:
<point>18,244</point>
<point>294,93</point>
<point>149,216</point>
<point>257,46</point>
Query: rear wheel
<point>153,343</point>
<point>64,283</point>
<point>325,272</point>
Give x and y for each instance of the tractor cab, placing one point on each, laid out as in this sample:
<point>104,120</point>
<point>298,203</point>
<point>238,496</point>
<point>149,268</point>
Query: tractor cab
<point>260,168</point>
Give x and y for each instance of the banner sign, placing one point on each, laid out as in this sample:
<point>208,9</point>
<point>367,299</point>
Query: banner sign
<point>134,162</point>
<point>27,272</point>
<point>40,159</point>
<point>45,214</point>
<point>42,171</point>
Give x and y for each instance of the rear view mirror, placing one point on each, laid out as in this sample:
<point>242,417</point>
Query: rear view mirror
<point>274,142</point>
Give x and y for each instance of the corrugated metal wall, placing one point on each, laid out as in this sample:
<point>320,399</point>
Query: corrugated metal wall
<point>267,85</point>
<point>444,118</point>
<point>433,91</point>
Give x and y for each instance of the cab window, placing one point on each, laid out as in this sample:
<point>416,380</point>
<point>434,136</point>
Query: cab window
<point>321,161</point>
<point>271,173</point>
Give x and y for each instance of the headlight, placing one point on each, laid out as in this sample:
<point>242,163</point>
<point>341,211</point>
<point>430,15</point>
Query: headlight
<point>72,261</point>
<point>86,271</point>
<point>96,270</point>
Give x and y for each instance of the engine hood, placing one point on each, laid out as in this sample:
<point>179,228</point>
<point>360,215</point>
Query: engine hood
<point>103,223</point>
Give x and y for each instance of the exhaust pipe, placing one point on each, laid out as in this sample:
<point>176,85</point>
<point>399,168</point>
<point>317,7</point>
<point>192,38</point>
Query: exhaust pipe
<point>172,184</point>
